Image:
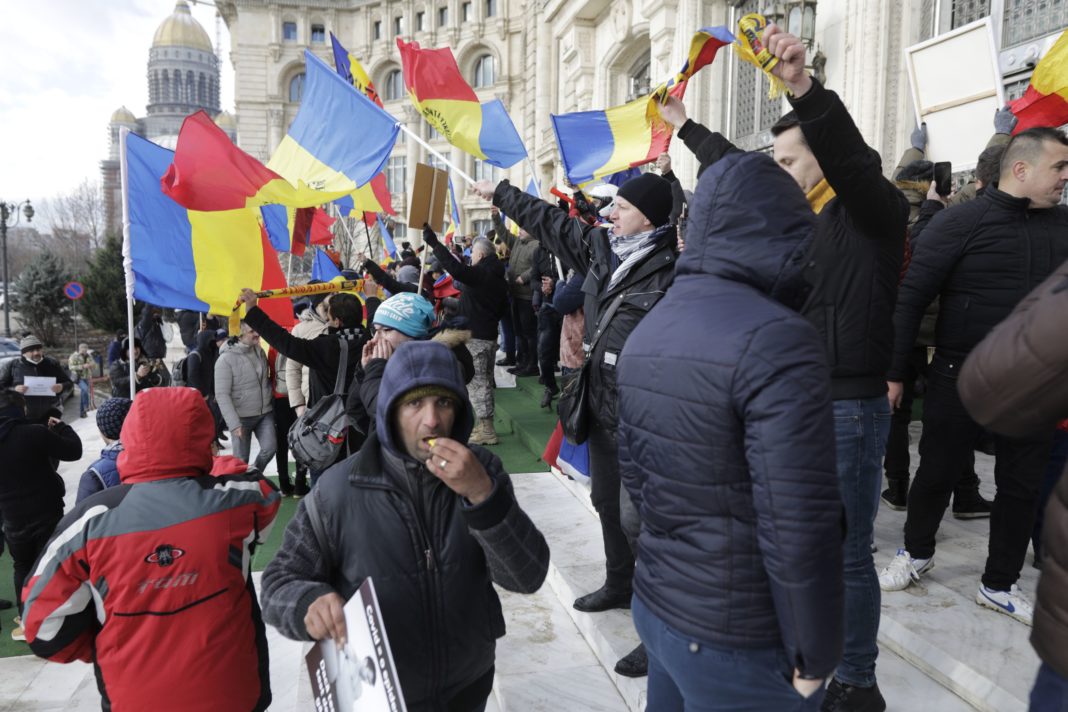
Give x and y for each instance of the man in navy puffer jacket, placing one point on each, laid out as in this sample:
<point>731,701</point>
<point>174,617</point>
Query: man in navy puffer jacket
<point>727,450</point>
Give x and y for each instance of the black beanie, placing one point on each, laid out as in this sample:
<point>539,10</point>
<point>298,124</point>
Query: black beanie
<point>650,194</point>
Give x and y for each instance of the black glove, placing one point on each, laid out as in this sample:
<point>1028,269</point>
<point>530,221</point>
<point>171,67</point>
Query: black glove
<point>429,237</point>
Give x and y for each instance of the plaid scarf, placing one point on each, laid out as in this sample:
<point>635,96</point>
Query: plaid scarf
<point>630,250</point>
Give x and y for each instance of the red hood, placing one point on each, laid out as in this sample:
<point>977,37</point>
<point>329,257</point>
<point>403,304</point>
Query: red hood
<point>168,433</point>
<point>228,465</point>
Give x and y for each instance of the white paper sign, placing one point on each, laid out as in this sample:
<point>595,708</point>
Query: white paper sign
<point>362,677</point>
<point>39,385</point>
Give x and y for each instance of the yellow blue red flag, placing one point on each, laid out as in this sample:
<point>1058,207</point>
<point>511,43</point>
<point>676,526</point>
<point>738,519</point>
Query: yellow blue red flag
<point>189,259</point>
<point>339,140</point>
<point>450,105</point>
<point>703,48</point>
<point>454,216</point>
<point>350,68</point>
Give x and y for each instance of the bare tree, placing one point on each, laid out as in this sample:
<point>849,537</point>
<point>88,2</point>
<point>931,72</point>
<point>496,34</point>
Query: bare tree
<point>77,221</point>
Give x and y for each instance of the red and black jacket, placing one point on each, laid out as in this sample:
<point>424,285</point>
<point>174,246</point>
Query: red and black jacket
<point>150,580</point>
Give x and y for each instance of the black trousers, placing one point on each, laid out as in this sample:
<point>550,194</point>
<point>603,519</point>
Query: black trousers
<point>25,544</point>
<point>896,463</point>
<point>947,443</point>
<point>284,417</point>
<point>604,493</point>
<point>525,323</point>
<point>550,322</point>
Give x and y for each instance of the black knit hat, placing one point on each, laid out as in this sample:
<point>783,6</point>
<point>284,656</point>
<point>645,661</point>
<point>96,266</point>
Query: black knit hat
<point>650,194</point>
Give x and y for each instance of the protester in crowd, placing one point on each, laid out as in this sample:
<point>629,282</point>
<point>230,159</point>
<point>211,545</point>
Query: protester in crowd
<point>483,299</point>
<point>311,321</point>
<point>81,366</point>
<point>173,620</point>
<point>150,329</point>
<point>1004,125</point>
<point>401,318</point>
<point>415,480</point>
<point>980,257</point>
<point>189,327</point>
<point>33,363</point>
<point>567,300</point>
<point>104,472</point>
<point>200,371</point>
<point>243,391</point>
<point>967,502</point>
<point>550,323</point>
<point>1015,382</point>
<point>321,354</point>
<point>522,249</point>
<point>628,268</point>
<point>853,266</point>
<point>507,339</point>
<point>115,347</point>
<point>147,374</point>
<point>678,195</point>
<point>31,491</point>
<point>722,471</point>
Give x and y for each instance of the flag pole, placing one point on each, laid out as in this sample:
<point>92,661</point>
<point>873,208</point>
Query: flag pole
<point>367,231</point>
<point>127,259</point>
<point>430,148</point>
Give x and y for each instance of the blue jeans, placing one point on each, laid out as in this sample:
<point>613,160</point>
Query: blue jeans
<point>83,385</point>
<point>1050,693</point>
<point>860,431</point>
<point>263,427</point>
<point>686,674</point>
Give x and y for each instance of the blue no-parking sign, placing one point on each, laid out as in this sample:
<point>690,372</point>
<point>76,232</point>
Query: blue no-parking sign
<point>74,290</point>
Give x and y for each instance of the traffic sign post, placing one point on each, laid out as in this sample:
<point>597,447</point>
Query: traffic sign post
<point>74,291</point>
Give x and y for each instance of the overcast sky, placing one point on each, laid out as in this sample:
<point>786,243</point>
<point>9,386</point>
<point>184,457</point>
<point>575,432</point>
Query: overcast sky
<point>65,66</point>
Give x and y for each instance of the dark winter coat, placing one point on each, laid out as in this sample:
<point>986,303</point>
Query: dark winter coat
<point>101,474</point>
<point>521,253</point>
<point>200,365</point>
<point>150,331</point>
<point>727,434</point>
<point>1015,382</point>
<point>322,355</point>
<point>37,407</point>
<point>483,291</point>
<point>980,258</point>
<point>586,250</point>
<point>30,489</point>
<point>854,263</point>
<point>433,556</point>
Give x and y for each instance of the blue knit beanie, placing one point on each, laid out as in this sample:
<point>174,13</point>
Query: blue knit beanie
<point>408,313</point>
<point>111,415</point>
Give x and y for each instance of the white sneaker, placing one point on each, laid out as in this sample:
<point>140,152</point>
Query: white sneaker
<point>902,571</point>
<point>1011,602</point>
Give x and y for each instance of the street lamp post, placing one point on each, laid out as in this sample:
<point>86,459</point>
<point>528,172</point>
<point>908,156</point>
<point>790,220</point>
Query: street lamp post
<point>6,211</point>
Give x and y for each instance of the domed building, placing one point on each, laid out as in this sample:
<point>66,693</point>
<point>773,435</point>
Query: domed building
<point>183,77</point>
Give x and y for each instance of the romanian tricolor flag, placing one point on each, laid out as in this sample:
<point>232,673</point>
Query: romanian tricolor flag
<point>210,173</point>
<point>350,68</point>
<point>389,247</point>
<point>703,48</point>
<point>189,259</point>
<point>323,268</point>
<point>594,144</point>
<point>1045,103</point>
<point>340,139</point>
<point>287,228</point>
<point>450,105</point>
<point>454,216</point>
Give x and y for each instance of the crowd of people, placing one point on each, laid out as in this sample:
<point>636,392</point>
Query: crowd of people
<point>743,357</point>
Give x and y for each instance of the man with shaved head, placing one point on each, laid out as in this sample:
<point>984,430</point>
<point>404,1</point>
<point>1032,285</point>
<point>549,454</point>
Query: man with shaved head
<point>981,258</point>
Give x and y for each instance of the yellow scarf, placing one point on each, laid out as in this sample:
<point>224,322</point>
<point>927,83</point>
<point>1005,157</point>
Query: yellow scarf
<point>819,196</point>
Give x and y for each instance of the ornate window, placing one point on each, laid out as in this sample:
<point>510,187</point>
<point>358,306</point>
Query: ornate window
<point>443,16</point>
<point>318,34</point>
<point>753,113</point>
<point>394,85</point>
<point>466,11</point>
<point>491,8</point>
<point>485,171</point>
<point>638,79</point>
<point>296,87</point>
<point>1029,19</point>
<point>202,90</point>
<point>376,30</point>
<point>397,174</point>
<point>398,26</point>
<point>485,72</point>
<point>289,31</point>
<point>420,21</point>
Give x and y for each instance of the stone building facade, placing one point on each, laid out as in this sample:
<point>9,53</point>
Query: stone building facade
<point>554,56</point>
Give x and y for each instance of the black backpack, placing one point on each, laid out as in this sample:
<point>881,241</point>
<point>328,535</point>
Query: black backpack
<point>180,372</point>
<point>317,436</point>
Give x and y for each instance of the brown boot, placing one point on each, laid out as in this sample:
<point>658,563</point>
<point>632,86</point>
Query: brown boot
<point>484,434</point>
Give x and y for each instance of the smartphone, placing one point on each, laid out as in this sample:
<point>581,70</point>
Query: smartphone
<point>943,176</point>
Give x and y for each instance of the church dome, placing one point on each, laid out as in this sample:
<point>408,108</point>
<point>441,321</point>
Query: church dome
<point>182,30</point>
<point>225,121</point>
<point>123,115</point>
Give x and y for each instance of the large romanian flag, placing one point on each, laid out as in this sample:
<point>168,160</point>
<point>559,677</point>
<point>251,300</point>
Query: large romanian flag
<point>190,259</point>
<point>339,140</point>
<point>210,173</point>
<point>1045,103</point>
<point>450,105</point>
<point>375,196</point>
<point>594,144</point>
